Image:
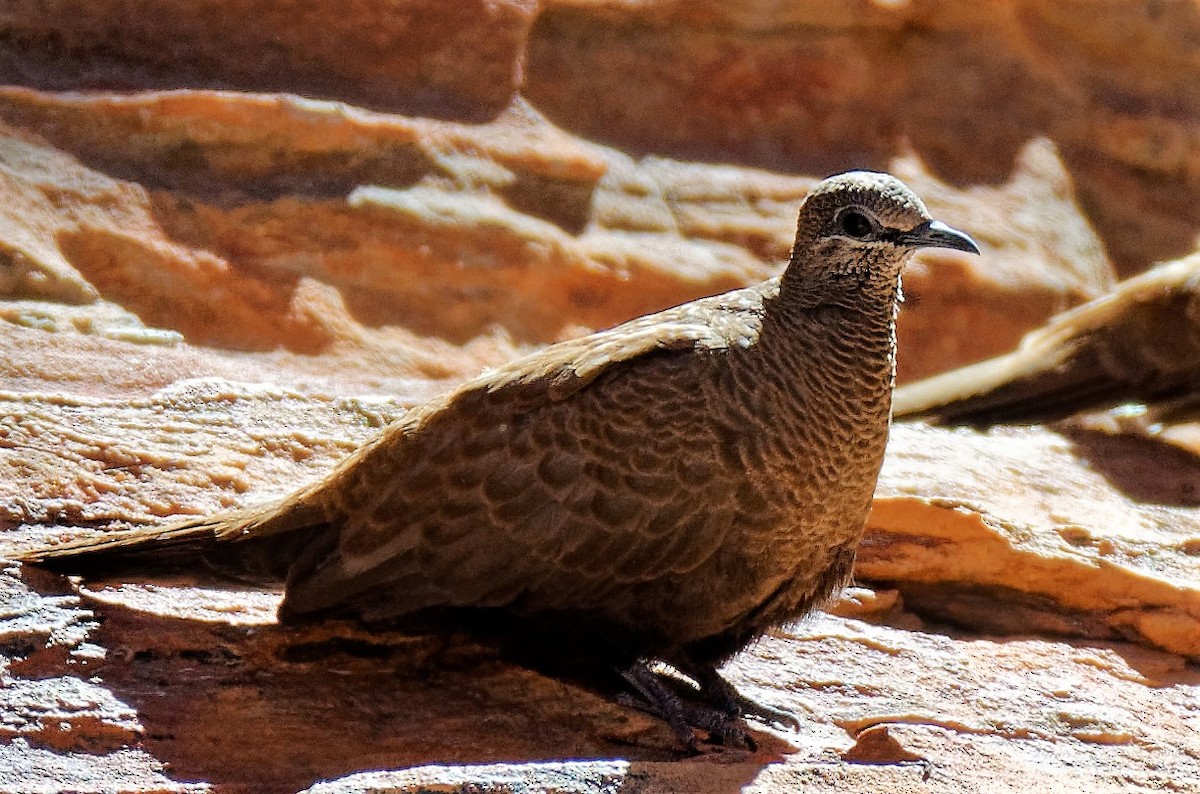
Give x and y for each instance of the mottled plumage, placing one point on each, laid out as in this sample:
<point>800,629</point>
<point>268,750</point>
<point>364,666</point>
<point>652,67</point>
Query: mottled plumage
<point>670,488</point>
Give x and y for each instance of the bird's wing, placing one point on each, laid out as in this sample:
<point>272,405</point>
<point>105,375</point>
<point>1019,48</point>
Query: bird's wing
<point>536,480</point>
<point>708,324</point>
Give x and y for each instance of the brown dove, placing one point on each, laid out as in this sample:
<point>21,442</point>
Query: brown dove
<point>661,492</point>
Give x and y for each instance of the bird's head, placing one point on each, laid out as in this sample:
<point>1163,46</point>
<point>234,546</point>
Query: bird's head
<point>856,232</point>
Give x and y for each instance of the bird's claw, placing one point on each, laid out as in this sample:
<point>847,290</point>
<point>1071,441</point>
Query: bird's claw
<point>726,697</point>
<point>771,716</point>
<point>656,698</point>
<point>723,729</point>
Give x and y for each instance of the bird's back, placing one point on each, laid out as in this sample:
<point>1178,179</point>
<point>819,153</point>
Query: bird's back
<point>670,476</point>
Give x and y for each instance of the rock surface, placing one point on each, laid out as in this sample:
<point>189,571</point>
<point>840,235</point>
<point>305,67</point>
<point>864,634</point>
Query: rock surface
<point>254,222</point>
<point>236,239</point>
<point>196,675</point>
<point>461,59</point>
<point>816,86</point>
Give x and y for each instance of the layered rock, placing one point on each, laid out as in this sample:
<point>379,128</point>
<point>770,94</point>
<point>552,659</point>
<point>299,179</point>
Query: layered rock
<point>252,223</point>
<point>235,240</point>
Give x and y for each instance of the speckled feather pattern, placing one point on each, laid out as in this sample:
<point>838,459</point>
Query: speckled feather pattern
<point>680,483</point>
<point>692,477</point>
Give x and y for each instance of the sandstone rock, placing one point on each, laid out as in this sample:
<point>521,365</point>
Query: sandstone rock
<point>355,235</point>
<point>1083,535</point>
<point>201,446</point>
<point>1011,532</point>
<point>1042,258</point>
<point>418,55</point>
<point>820,87</point>
<point>1139,343</point>
<point>195,679</point>
<point>210,293</point>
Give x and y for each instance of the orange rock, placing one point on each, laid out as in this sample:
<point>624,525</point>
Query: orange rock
<point>506,231</point>
<point>319,266</point>
<point>197,679</point>
<point>1084,535</point>
<point>422,56</point>
<point>822,87</point>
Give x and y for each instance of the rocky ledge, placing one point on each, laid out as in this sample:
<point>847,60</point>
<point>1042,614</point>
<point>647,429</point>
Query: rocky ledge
<point>236,239</point>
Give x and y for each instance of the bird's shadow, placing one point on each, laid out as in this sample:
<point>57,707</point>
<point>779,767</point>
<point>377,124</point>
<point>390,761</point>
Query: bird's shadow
<point>266,708</point>
<point>1145,469</point>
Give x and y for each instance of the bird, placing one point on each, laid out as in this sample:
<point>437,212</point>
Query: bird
<point>657,495</point>
<point>1140,342</point>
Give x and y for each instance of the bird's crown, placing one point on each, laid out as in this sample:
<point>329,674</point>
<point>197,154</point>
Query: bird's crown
<point>860,205</point>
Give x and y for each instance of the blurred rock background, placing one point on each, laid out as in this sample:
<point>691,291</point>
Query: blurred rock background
<point>238,236</point>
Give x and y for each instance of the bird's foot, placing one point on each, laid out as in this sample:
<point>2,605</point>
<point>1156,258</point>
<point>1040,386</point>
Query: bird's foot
<point>657,697</point>
<point>723,695</point>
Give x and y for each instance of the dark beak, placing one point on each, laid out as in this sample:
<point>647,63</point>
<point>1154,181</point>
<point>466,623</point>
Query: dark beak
<point>935,234</point>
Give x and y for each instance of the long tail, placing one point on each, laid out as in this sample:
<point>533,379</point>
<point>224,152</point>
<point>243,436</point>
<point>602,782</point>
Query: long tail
<point>256,532</point>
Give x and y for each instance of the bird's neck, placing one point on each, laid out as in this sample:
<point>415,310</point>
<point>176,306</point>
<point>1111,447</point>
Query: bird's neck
<point>824,397</point>
<point>863,322</point>
<point>838,358</point>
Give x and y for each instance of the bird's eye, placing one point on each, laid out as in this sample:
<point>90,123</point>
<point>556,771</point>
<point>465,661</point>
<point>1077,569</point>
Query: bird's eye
<point>855,224</point>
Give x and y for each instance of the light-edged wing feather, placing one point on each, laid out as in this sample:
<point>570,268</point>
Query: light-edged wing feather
<point>541,481</point>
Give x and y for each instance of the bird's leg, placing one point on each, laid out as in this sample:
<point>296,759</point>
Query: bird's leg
<point>718,692</point>
<point>659,699</point>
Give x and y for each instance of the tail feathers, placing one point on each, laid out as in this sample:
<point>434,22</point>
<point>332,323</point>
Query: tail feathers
<point>174,545</point>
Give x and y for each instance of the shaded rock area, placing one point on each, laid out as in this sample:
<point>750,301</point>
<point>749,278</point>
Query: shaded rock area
<point>424,56</point>
<point>237,239</point>
<point>273,222</point>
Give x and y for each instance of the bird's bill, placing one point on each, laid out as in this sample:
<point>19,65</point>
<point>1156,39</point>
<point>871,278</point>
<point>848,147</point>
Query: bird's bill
<point>935,234</point>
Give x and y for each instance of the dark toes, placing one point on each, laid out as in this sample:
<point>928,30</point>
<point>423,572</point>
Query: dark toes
<point>776,718</point>
<point>723,729</point>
